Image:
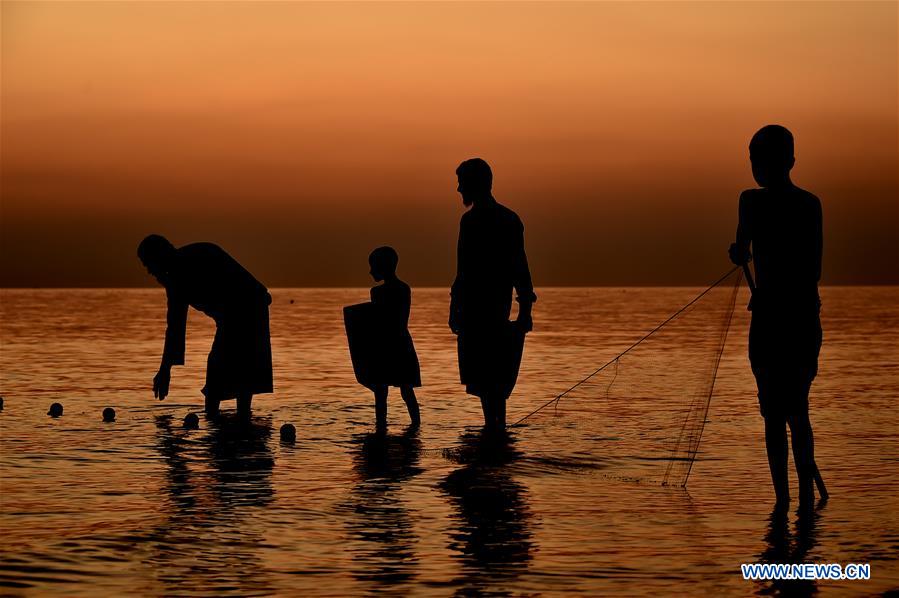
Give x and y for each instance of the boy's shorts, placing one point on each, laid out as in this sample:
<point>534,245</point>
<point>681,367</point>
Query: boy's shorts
<point>783,351</point>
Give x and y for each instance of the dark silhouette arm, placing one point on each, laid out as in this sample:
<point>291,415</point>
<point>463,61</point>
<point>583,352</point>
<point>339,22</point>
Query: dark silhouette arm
<point>173,353</point>
<point>739,250</point>
<point>176,328</point>
<point>524,287</point>
<point>456,293</point>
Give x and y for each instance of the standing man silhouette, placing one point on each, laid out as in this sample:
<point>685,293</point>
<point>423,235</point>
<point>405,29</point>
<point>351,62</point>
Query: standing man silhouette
<point>782,224</point>
<point>491,261</point>
<point>205,277</point>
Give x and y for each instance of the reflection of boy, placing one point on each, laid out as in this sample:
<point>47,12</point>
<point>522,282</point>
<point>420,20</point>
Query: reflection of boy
<point>782,225</point>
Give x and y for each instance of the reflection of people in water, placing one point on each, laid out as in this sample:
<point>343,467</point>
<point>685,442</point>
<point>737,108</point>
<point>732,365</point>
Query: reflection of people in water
<point>207,540</point>
<point>242,461</point>
<point>492,514</point>
<point>377,518</point>
<point>784,547</point>
<point>204,276</point>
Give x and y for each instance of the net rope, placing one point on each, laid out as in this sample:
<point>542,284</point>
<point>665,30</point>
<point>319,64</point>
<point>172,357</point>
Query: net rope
<point>653,397</point>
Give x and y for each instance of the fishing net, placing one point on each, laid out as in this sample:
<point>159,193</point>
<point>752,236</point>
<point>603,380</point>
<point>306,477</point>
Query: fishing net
<point>641,415</point>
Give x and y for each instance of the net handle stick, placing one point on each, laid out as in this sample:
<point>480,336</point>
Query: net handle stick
<point>819,481</point>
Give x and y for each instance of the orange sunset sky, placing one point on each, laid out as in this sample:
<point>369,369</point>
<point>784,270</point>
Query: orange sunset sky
<point>299,136</point>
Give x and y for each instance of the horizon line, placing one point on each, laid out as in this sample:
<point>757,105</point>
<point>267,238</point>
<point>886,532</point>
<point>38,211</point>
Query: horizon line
<point>425,287</point>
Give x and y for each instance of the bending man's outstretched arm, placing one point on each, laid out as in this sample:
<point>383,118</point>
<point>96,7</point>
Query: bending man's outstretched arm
<point>173,352</point>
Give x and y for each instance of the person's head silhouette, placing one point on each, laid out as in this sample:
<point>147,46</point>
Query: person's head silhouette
<point>475,180</point>
<point>771,154</point>
<point>155,252</point>
<point>383,262</point>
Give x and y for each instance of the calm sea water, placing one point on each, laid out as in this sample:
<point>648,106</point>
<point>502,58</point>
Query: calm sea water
<point>142,506</point>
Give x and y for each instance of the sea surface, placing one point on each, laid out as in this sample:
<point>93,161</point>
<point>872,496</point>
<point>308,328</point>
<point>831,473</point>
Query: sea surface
<point>142,506</point>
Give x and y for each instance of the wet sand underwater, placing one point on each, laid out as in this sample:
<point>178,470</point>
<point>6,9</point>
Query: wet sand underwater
<point>142,506</point>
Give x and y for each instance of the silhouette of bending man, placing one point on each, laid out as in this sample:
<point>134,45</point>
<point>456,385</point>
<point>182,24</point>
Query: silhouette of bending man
<point>782,225</point>
<point>205,277</point>
<point>491,261</point>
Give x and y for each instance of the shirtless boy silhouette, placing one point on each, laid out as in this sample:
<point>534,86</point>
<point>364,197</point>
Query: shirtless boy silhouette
<point>780,231</point>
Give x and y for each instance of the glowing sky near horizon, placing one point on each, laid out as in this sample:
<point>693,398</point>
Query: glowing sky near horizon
<point>301,135</point>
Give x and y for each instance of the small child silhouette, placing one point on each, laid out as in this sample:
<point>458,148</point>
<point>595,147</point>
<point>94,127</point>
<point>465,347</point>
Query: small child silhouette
<point>392,301</point>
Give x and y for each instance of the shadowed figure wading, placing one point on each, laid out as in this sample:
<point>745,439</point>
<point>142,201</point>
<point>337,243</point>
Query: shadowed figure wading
<point>491,262</point>
<point>780,230</point>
